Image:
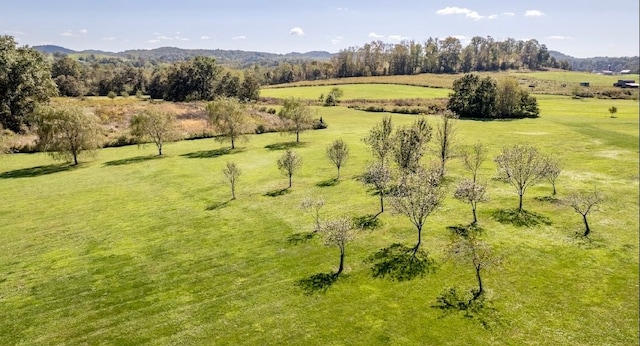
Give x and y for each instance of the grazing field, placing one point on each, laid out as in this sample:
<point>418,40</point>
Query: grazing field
<point>360,92</point>
<point>130,248</point>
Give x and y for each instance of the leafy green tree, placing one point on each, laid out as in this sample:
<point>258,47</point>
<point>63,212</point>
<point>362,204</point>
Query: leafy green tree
<point>338,153</point>
<point>67,74</point>
<point>156,125</point>
<point>67,132</point>
<point>338,233</point>
<point>25,82</point>
<point>333,96</point>
<point>289,163</point>
<point>232,173</point>
<point>249,89</point>
<point>228,116</point>
<point>419,196</point>
<point>583,203</point>
<point>445,137</point>
<point>296,116</point>
<point>191,80</point>
<point>378,175</point>
<point>522,166</point>
<point>380,139</point>
<point>410,145</point>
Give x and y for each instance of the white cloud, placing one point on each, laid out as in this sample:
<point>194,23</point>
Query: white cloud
<point>153,41</point>
<point>180,38</point>
<point>203,37</point>
<point>558,37</point>
<point>111,38</point>
<point>241,37</point>
<point>374,35</point>
<point>533,13</point>
<point>395,38</point>
<point>163,37</point>
<point>83,31</point>
<point>297,31</point>
<point>68,34</point>
<point>509,14</point>
<point>457,10</point>
<point>342,9</point>
<point>336,40</point>
<point>493,16</point>
<point>460,37</point>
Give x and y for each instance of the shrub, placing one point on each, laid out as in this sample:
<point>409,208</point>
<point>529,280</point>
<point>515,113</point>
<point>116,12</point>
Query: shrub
<point>112,95</point>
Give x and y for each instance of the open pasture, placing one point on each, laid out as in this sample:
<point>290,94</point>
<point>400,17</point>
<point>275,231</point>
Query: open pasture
<point>132,249</point>
<point>360,92</point>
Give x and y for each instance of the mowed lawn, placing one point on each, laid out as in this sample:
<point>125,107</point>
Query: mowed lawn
<point>359,92</point>
<point>132,249</point>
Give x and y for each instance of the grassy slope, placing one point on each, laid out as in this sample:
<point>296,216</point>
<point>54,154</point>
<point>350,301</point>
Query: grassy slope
<point>359,91</point>
<point>128,250</point>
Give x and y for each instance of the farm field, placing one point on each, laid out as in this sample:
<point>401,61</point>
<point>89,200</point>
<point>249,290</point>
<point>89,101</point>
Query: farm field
<point>361,92</point>
<point>130,248</point>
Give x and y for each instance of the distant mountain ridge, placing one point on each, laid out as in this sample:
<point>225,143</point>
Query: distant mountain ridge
<point>172,54</point>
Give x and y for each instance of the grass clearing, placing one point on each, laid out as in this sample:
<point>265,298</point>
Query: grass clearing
<point>128,249</point>
<point>359,92</point>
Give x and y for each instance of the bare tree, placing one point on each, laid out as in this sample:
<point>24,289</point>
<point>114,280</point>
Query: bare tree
<point>380,140</point>
<point>473,159</point>
<point>410,144</point>
<point>232,172</point>
<point>473,193</point>
<point>583,203</point>
<point>313,206</point>
<point>467,247</point>
<point>445,138</point>
<point>156,125</point>
<point>338,152</point>
<point>417,198</point>
<point>67,132</point>
<point>521,166</point>
<point>552,170</point>
<point>378,175</point>
<point>338,233</point>
<point>289,163</point>
<point>296,116</point>
<point>227,116</point>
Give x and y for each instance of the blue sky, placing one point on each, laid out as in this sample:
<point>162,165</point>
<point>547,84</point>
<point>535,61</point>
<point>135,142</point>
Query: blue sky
<point>582,28</point>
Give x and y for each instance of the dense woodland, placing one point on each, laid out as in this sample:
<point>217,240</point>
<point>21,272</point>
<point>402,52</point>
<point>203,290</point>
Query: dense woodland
<point>156,72</point>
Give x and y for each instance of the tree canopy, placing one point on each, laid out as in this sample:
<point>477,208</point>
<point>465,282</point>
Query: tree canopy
<point>25,81</point>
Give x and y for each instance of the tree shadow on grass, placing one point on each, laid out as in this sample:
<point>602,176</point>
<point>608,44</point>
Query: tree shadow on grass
<point>301,237</point>
<point>367,222</point>
<point>400,263</point>
<point>548,199</point>
<point>520,218</point>
<point>217,205</point>
<point>586,242</point>
<point>466,231</point>
<point>131,160</point>
<point>278,192</point>
<point>317,283</point>
<point>37,171</point>
<point>451,300</point>
<point>328,182</point>
<point>285,145</point>
<point>208,154</point>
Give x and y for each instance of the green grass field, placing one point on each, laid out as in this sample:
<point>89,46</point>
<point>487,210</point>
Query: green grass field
<point>132,249</point>
<point>360,92</point>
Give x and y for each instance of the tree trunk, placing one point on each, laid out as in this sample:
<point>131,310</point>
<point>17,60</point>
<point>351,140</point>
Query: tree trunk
<point>475,218</point>
<point>75,158</point>
<point>341,267</point>
<point>159,149</point>
<point>554,189</point>
<point>233,143</point>
<point>587,230</point>
<point>338,173</point>
<point>297,137</point>
<point>381,202</point>
<point>520,205</point>
<point>480,288</point>
<point>233,191</point>
<point>290,175</point>
<point>415,248</point>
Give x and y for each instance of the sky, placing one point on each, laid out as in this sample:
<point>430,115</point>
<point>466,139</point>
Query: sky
<point>580,28</point>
